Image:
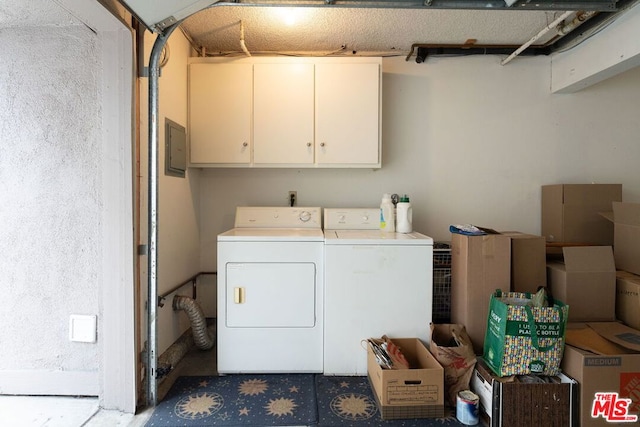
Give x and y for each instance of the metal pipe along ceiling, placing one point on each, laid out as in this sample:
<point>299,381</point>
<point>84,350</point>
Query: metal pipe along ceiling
<point>561,29</point>
<point>542,32</point>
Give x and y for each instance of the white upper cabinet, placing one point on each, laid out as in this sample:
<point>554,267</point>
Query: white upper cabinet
<point>347,113</point>
<point>285,112</point>
<point>220,103</point>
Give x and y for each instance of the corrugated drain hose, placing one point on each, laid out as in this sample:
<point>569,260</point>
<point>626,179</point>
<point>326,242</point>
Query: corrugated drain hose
<point>201,336</point>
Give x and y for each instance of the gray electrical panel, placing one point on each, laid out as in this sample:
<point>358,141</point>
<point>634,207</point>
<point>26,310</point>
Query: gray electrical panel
<point>175,155</point>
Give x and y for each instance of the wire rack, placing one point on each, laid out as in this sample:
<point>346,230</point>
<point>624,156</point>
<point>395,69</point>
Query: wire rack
<point>441,282</point>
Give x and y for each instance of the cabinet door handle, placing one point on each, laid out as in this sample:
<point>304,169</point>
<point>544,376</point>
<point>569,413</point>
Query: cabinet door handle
<point>244,144</point>
<point>308,144</point>
<point>238,295</point>
<point>322,144</point>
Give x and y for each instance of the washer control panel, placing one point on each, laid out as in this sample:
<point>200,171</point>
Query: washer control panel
<point>278,217</point>
<point>352,219</point>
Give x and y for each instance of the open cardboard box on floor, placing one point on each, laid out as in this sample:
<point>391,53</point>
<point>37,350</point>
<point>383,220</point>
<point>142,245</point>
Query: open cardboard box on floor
<point>417,392</point>
<point>604,357</point>
<point>586,282</point>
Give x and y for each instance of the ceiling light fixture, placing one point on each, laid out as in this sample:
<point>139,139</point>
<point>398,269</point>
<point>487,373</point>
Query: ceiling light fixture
<point>290,16</point>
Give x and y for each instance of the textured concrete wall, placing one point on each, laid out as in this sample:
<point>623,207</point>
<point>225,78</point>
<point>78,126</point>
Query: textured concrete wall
<point>50,191</point>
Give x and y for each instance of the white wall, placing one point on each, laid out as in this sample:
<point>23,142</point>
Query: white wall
<point>50,213</point>
<point>469,140</point>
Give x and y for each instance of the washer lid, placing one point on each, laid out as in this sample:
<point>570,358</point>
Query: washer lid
<point>272,235</point>
<point>375,237</point>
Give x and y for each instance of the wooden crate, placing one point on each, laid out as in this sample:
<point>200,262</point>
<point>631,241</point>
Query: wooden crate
<point>513,401</point>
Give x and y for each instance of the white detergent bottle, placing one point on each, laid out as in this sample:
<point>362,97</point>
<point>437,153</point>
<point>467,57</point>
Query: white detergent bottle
<point>405,215</point>
<point>387,220</point>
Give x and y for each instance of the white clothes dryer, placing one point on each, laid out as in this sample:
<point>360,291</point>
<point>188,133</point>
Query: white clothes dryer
<point>270,291</point>
<point>376,283</point>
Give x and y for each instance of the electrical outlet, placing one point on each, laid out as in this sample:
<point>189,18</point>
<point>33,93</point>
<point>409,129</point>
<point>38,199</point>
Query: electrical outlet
<point>292,198</point>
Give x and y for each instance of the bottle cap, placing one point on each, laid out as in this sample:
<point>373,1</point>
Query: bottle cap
<point>404,199</point>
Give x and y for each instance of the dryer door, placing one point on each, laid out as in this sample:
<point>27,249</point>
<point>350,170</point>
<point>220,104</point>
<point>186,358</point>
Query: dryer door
<point>270,295</point>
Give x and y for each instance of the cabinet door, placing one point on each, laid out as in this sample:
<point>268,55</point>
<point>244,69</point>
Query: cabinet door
<point>283,113</point>
<point>347,113</point>
<point>220,113</point>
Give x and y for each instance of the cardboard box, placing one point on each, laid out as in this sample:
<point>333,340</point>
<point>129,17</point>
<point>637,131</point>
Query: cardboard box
<point>570,212</point>
<point>628,298</point>
<point>626,217</point>
<point>528,261</point>
<point>607,374</point>
<point>515,401</point>
<point>479,266</point>
<point>586,282</point>
<point>417,392</point>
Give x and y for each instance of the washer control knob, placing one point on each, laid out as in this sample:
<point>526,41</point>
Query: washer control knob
<point>305,216</point>
<point>365,217</point>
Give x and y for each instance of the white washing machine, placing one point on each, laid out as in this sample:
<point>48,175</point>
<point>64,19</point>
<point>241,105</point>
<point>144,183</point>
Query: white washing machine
<point>376,283</point>
<point>270,291</point>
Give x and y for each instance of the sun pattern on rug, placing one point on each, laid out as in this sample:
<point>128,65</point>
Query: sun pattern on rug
<point>239,399</point>
<point>253,387</point>
<point>199,405</point>
<point>353,407</point>
<point>281,406</point>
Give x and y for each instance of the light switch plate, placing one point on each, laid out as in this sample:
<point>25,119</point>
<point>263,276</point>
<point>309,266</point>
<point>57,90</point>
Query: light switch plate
<point>82,328</point>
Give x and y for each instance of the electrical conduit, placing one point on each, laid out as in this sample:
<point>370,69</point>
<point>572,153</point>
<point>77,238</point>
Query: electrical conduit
<point>242,45</point>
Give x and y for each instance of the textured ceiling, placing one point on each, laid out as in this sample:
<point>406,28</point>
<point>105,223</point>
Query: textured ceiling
<point>325,30</point>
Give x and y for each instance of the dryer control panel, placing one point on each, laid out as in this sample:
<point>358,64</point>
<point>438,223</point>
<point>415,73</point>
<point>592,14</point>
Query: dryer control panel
<point>278,217</point>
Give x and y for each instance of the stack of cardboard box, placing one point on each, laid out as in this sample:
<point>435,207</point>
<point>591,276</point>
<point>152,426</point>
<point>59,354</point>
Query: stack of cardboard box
<point>589,258</point>
<point>507,261</point>
<point>602,354</point>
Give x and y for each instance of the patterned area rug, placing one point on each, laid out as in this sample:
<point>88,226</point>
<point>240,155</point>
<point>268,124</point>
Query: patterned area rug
<point>238,400</point>
<point>278,400</point>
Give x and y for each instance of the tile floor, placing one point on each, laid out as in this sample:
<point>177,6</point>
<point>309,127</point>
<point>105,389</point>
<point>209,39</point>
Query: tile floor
<point>48,411</point>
